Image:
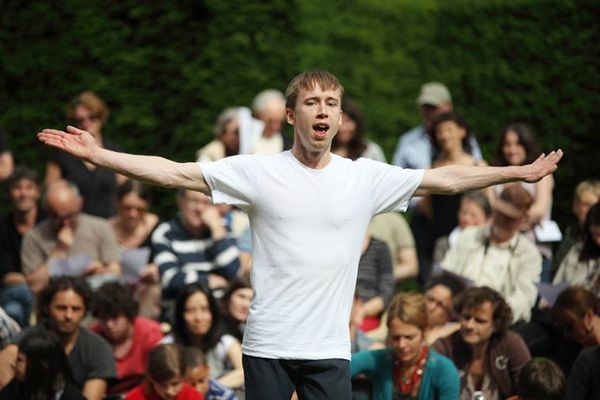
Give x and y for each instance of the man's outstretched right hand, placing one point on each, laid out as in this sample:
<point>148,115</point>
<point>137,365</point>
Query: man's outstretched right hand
<point>75,141</point>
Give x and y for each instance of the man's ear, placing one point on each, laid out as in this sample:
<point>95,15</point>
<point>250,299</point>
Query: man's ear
<point>588,317</point>
<point>290,116</point>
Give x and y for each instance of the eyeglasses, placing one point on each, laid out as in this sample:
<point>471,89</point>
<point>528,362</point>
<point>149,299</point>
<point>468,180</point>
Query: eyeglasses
<point>437,303</point>
<point>90,118</point>
<point>128,208</point>
<point>61,218</point>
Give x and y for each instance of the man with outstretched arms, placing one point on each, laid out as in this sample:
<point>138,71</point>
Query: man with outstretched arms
<point>309,210</point>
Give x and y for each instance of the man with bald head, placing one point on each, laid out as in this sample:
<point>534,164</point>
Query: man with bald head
<point>260,129</point>
<point>68,232</point>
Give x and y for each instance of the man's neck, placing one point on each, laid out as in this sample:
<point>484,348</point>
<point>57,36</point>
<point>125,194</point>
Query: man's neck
<point>479,349</point>
<point>25,218</point>
<point>454,154</point>
<point>314,160</point>
<point>69,340</point>
<point>500,237</point>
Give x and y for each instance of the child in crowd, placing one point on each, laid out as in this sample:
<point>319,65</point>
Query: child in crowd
<point>474,210</point>
<point>197,375</point>
<point>164,377</point>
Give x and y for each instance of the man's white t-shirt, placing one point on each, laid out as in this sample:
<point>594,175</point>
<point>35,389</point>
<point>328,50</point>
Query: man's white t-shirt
<point>307,228</point>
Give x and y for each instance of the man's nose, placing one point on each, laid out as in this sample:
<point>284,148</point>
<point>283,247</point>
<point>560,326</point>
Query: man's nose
<point>321,109</point>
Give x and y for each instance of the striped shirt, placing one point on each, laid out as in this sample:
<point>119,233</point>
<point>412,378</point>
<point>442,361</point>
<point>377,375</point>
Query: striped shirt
<point>183,259</point>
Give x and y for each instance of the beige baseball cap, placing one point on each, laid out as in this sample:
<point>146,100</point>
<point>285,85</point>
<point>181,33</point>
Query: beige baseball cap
<point>434,93</point>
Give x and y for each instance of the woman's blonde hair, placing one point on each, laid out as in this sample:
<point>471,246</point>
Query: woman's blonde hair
<point>92,102</point>
<point>409,308</point>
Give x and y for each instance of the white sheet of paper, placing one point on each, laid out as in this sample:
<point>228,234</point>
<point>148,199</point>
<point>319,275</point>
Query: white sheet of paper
<point>550,292</point>
<point>70,266</point>
<point>133,263</point>
<point>547,231</point>
<point>250,129</point>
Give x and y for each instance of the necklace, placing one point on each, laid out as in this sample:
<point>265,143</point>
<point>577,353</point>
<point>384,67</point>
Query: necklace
<point>406,380</point>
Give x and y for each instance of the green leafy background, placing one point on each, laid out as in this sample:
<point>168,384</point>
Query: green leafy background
<point>167,69</point>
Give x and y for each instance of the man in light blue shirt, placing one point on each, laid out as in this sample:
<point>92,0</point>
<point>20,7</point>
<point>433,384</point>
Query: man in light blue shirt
<point>414,148</point>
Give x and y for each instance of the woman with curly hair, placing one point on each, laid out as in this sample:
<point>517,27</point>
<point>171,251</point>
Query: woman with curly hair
<point>489,356</point>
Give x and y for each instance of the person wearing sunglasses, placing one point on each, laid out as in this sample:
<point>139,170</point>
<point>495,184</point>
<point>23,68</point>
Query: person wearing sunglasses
<point>98,186</point>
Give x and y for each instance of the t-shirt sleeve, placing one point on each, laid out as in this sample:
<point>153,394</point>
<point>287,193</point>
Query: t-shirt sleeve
<point>391,186</point>
<point>152,333</point>
<point>102,364</point>
<point>232,180</point>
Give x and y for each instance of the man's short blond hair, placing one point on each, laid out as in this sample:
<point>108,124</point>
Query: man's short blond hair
<point>307,81</point>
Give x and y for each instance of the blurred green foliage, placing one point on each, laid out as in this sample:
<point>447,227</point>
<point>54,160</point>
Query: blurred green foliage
<point>167,69</point>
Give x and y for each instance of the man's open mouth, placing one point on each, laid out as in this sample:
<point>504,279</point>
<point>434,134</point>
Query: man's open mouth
<point>321,129</point>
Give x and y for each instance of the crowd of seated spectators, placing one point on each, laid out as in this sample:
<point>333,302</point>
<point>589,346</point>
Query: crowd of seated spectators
<point>104,298</point>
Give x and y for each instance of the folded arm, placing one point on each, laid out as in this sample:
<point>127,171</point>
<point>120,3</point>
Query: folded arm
<point>149,169</point>
<point>454,179</point>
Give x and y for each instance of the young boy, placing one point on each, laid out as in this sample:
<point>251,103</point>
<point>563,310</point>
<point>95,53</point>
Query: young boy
<point>197,375</point>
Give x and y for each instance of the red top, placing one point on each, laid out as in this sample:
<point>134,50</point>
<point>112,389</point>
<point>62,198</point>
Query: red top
<point>132,367</point>
<point>143,392</point>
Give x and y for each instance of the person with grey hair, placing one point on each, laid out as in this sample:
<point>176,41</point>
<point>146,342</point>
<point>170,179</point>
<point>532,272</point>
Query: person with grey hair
<point>227,137</point>
<point>68,242</point>
<point>260,131</point>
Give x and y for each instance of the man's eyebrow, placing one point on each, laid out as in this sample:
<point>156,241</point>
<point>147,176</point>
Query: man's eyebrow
<point>312,98</point>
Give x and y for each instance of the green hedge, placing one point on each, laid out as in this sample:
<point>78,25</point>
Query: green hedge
<point>167,69</point>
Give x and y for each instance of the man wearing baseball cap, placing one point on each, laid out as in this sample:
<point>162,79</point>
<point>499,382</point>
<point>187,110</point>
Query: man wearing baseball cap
<point>415,150</point>
<point>414,147</point>
<point>499,256</point>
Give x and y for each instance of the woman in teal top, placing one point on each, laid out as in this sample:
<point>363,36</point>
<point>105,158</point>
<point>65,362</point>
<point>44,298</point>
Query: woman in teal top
<point>408,368</point>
